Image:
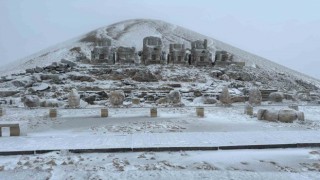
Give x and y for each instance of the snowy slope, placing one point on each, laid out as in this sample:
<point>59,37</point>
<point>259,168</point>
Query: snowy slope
<point>131,33</point>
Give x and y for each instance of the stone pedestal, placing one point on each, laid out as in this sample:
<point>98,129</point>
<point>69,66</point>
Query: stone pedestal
<point>200,111</point>
<point>53,113</point>
<point>153,112</point>
<point>135,101</point>
<point>15,131</point>
<point>104,112</point>
<point>14,128</point>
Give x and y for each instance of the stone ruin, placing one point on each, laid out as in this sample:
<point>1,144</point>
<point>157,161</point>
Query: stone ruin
<point>126,55</point>
<point>200,55</point>
<point>103,52</point>
<point>177,54</point>
<point>224,58</point>
<point>152,51</point>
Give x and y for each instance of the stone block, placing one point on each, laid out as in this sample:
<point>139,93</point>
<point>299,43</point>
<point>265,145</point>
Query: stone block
<point>104,112</point>
<point>153,112</point>
<point>15,131</point>
<point>200,111</point>
<point>53,113</point>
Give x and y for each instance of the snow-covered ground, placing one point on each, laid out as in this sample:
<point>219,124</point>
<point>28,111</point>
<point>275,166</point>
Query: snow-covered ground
<point>132,127</point>
<point>240,164</point>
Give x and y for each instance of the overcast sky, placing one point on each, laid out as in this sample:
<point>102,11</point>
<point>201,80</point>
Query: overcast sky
<point>284,31</point>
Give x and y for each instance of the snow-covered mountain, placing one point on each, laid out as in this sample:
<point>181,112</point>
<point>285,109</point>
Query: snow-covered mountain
<point>131,33</point>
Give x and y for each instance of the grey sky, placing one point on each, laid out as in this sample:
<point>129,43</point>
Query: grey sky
<point>284,31</point>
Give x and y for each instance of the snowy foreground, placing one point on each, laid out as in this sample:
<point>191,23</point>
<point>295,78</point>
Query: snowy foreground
<point>174,127</point>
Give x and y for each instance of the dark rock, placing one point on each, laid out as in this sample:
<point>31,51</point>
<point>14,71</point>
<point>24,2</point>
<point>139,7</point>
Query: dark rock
<point>38,69</point>
<point>144,76</point>
<point>216,73</point>
<point>8,93</point>
<point>81,78</point>
<point>53,77</point>
<point>70,63</point>
<point>90,99</point>
<point>31,71</point>
<point>197,93</point>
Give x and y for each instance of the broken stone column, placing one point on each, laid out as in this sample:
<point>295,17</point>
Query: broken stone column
<point>283,115</point>
<point>53,113</point>
<point>136,101</point>
<point>268,115</point>
<point>200,111</point>
<point>225,96</point>
<point>287,115</point>
<point>104,112</point>
<point>74,99</point>
<point>153,112</point>
<point>248,110</point>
